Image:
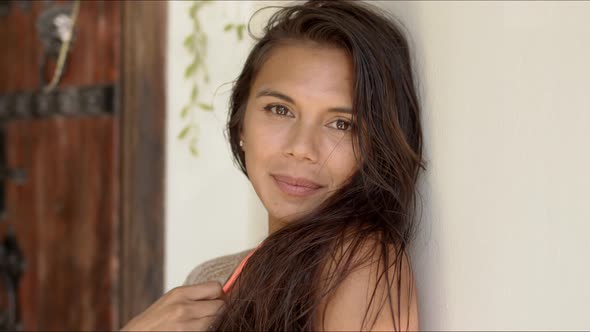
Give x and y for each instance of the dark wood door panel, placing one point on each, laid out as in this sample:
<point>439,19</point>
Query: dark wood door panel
<point>90,215</point>
<point>64,217</point>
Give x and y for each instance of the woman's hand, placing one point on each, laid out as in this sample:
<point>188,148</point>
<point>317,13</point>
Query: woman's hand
<point>185,308</point>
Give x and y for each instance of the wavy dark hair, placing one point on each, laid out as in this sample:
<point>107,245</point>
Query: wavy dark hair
<point>286,279</point>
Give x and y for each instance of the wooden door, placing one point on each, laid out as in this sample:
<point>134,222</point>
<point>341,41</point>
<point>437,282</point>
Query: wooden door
<point>77,211</point>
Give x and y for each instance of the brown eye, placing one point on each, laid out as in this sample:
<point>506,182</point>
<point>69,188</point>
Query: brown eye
<point>277,109</point>
<point>341,125</point>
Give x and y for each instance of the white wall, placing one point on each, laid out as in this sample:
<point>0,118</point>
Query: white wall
<point>211,209</point>
<point>507,128</point>
<point>506,88</point>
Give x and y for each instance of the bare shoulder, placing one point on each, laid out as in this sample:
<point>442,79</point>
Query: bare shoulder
<point>367,299</point>
<point>216,269</point>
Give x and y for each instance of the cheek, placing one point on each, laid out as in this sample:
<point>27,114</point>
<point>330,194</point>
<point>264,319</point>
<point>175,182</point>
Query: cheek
<point>341,164</point>
<point>261,144</point>
<point>257,129</point>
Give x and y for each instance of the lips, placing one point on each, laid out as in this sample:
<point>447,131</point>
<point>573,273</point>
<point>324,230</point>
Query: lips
<point>299,187</point>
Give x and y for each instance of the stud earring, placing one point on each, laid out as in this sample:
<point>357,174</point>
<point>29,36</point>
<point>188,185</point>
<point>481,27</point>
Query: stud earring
<point>241,143</point>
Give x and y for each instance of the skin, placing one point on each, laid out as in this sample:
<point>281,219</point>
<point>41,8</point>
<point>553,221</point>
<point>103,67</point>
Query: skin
<point>346,309</point>
<point>185,308</point>
<point>306,136</point>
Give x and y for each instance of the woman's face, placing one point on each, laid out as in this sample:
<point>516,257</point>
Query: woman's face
<point>297,128</point>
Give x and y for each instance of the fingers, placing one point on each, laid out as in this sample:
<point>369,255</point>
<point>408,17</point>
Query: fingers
<point>203,309</point>
<point>210,290</point>
<point>197,315</point>
<point>183,308</point>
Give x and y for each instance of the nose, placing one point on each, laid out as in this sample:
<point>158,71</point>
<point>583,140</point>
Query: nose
<point>302,143</point>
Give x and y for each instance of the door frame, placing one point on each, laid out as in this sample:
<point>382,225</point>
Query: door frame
<point>141,117</point>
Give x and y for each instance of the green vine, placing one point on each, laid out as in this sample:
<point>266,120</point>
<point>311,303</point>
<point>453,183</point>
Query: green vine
<point>197,73</point>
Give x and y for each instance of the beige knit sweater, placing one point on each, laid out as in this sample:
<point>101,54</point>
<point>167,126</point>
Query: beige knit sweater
<point>217,269</point>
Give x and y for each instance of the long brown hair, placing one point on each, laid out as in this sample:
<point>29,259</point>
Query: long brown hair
<point>283,283</point>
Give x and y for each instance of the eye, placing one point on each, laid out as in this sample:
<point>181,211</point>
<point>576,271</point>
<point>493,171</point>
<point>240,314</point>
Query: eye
<point>277,109</point>
<point>341,124</point>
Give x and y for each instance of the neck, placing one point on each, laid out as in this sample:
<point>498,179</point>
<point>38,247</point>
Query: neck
<point>273,224</point>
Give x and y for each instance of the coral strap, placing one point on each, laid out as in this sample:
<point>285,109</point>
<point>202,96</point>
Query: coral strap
<point>234,276</point>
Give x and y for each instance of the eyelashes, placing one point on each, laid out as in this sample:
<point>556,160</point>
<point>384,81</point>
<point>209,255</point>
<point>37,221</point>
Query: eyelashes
<point>343,125</point>
<point>283,111</point>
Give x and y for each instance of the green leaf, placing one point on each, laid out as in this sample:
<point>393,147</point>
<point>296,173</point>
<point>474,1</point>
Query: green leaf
<point>189,43</point>
<point>193,147</point>
<point>185,111</point>
<point>228,27</point>
<point>190,70</point>
<point>184,132</point>
<point>206,107</point>
<point>194,150</point>
<point>240,31</point>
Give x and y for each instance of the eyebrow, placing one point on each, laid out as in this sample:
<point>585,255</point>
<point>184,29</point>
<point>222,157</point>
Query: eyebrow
<point>273,93</point>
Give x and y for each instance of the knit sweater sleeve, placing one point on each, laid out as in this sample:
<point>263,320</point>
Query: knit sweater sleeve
<point>217,269</point>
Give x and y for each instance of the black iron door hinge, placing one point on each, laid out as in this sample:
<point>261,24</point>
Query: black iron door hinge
<point>86,100</point>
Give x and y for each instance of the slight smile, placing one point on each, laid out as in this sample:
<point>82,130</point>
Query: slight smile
<point>298,187</point>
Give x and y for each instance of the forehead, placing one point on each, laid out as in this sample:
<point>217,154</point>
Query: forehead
<point>307,71</point>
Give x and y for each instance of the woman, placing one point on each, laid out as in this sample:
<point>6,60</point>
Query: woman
<point>325,123</point>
